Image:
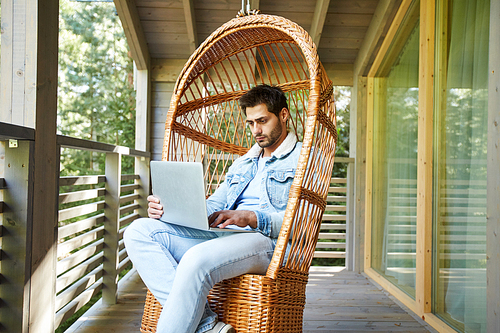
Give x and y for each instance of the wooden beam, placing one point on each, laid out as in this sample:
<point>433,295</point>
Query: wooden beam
<point>190,24</point>
<point>340,74</point>
<point>127,11</point>
<point>46,170</point>
<point>374,33</point>
<point>369,173</point>
<point>319,20</point>
<point>493,176</point>
<point>143,109</point>
<point>111,226</point>
<point>358,151</point>
<point>391,34</point>
<point>423,287</point>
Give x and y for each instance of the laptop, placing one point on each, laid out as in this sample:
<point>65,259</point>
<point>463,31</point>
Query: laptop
<point>180,187</point>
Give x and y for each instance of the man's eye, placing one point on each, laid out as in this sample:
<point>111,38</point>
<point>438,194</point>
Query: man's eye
<point>262,121</point>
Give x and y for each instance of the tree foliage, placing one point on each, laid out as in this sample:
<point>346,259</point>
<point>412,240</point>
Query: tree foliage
<point>96,98</point>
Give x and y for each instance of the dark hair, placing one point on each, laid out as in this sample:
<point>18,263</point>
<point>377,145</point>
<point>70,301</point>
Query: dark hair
<point>273,97</point>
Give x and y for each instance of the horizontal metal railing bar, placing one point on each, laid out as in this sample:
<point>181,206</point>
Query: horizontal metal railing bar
<point>75,258</point>
<point>128,219</point>
<point>76,211</point>
<point>330,245</point>
<point>120,235</point>
<point>78,271</point>
<point>81,180</point>
<point>129,208</point>
<point>129,198</point>
<point>123,265</point>
<point>79,241</point>
<point>11,131</point>
<point>122,254</point>
<point>129,177</point>
<point>334,217</point>
<point>85,282</point>
<point>331,235</point>
<point>336,189</point>
<point>74,143</point>
<point>335,208</point>
<point>336,198</point>
<point>68,197</point>
<point>69,309</point>
<point>336,180</point>
<point>332,226</point>
<point>329,254</point>
<point>129,187</point>
<point>73,228</point>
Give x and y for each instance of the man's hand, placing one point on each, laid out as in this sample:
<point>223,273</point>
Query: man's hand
<point>241,218</point>
<point>155,210</point>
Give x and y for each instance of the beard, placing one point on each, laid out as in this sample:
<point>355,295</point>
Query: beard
<point>272,138</point>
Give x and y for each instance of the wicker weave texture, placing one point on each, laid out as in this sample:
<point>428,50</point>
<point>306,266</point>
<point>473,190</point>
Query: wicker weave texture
<point>204,123</point>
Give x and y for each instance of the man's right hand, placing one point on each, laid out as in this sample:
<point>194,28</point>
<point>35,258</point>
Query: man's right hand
<point>155,210</point>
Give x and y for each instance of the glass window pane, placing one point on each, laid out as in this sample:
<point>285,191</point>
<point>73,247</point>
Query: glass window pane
<point>395,164</point>
<point>461,113</point>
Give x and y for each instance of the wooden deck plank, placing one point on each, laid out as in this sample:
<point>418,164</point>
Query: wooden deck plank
<point>337,301</point>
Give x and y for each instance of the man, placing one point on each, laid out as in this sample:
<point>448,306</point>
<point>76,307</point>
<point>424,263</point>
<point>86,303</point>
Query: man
<point>180,265</point>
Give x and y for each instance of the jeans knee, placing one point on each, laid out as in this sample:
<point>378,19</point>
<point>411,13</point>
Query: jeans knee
<point>196,263</point>
<point>135,231</point>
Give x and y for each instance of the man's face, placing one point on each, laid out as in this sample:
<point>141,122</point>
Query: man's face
<point>267,129</point>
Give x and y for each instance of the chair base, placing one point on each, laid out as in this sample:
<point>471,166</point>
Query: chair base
<point>250,303</point>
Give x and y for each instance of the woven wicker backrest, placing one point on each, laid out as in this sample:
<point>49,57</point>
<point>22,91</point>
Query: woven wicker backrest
<point>204,122</point>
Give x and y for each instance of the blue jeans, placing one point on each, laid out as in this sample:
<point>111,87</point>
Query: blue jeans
<point>180,265</point>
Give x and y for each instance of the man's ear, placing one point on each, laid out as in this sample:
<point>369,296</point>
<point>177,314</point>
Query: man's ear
<point>285,114</point>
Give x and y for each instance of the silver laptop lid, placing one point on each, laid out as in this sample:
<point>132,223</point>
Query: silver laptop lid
<point>180,187</point>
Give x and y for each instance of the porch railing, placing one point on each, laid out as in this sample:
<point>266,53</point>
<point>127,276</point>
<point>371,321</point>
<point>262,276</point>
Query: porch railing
<point>334,233</point>
<point>93,214</point>
<point>90,240</point>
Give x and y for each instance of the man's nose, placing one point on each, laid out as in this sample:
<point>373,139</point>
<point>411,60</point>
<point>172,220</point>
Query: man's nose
<point>256,129</point>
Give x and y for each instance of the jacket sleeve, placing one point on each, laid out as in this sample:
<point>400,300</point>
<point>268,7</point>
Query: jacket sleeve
<point>270,223</point>
<point>218,200</point>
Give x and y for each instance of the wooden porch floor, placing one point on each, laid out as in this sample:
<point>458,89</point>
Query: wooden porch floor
<point>337,301</point>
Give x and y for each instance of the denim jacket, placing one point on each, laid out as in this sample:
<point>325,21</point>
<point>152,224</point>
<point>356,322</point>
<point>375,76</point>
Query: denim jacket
<point>274,189</point>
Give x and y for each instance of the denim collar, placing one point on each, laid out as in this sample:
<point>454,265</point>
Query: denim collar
<point>285,147</point>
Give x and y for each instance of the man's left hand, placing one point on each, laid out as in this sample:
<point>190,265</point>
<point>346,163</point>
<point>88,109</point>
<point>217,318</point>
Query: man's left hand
<point>241,218</point>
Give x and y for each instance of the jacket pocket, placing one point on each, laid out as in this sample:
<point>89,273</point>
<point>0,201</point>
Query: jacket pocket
<point>278,187</point>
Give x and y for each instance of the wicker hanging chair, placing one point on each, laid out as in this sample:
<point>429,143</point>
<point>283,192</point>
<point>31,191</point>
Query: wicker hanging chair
<point>204,123</point>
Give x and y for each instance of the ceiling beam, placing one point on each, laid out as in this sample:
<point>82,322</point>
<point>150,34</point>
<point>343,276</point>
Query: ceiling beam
<point>127,11</point>
<point>373,34</point>
<point>190,24</point>
<point>319,20</point>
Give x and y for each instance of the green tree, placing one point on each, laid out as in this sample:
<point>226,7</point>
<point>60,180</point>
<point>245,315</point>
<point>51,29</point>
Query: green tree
<point>96,93</point>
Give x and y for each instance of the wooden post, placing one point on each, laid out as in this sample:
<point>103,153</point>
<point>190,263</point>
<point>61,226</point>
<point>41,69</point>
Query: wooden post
<point>350,230</point>
<point>16,238</point>
<point>493,187</point>
<point>44,15</point>
<point>143,135</point>
<point>359,249</point>
<point>111,227</point>
<point>143,109</point>
<point>423,288</point>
